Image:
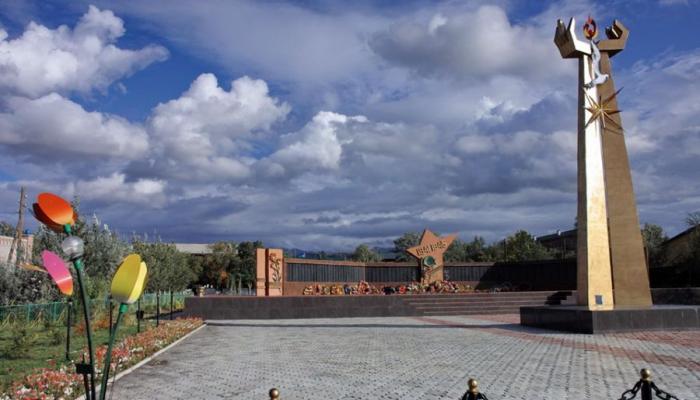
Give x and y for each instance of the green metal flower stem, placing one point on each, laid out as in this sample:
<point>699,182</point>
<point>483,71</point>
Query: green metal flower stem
<point>123,308</point>
<point>78,264</point>
<point>69,321</point>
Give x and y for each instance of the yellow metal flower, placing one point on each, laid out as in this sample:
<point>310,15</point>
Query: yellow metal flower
<point>129,280</point>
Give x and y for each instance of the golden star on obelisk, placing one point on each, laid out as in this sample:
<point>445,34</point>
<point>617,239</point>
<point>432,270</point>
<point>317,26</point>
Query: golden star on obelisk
<point>430,252</point>
<point>600,110</point>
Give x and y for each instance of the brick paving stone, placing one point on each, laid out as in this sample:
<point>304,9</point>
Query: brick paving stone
<point>411,358</point>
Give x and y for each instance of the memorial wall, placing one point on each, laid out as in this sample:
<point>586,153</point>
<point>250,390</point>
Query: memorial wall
<point>300,273</point>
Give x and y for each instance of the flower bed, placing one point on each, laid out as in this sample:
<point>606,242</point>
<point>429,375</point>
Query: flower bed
<point>64,384</point>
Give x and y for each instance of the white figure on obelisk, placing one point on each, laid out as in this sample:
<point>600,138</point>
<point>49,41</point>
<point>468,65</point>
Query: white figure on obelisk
<point>590,30</point>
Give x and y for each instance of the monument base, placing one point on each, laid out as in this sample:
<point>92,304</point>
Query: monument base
<point>580,319</point>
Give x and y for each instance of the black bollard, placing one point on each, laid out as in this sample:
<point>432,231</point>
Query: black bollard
<point>158,308</point>
<point>646,384</point>
<point>171,305</point>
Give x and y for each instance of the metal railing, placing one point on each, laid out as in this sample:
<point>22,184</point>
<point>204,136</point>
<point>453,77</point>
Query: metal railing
<point>57,311</point>
<point>645,387</point>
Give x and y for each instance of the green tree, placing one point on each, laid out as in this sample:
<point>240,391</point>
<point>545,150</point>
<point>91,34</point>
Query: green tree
<point>244,264</point>
<point>183,272</point>
<point>653,236</point>
<point>165,265</point>
<point>219,266</point>
<point>478,251</point>
<point>18,286</point>
<point>407,240</point>
<point>521,246</point>
<point>6,229</point>
<point>363,253</point>
<point>693,219</point>
<point>456,252</point>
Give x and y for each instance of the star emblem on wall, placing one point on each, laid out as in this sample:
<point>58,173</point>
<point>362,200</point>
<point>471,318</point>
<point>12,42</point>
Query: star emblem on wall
<point>601,110</point>
<point>430,250</point>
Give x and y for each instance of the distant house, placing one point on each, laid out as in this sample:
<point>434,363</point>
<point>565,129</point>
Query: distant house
<point>562,243</point>
<point>677,249</point>
<point>6,243</point>
<point>196,249</point>
<point>677,267</point>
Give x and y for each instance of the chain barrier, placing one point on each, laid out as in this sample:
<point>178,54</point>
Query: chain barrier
<point>645,386</point>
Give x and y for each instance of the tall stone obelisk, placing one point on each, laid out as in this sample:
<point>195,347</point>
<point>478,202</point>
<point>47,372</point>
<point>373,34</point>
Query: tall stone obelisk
<point>611,267</point>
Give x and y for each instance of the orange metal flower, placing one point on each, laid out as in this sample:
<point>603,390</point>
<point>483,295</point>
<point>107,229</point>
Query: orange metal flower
<point>54,212</point>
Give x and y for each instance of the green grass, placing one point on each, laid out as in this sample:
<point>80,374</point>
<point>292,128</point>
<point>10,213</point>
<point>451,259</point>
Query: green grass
<point>39,345</point>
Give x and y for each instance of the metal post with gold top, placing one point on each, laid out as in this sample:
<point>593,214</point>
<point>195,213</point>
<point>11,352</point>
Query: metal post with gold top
<point>274,394</point>
<point>473,392</point>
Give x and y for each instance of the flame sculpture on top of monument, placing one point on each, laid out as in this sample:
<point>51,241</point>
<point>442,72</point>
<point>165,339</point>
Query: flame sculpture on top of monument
<point>611,267</point>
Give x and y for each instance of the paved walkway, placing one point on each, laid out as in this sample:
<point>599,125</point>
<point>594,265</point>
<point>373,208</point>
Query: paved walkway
<point>411,358</point>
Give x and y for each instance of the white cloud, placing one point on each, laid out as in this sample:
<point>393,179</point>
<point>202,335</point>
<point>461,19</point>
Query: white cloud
<point>205,133</point>
<point>44,60</point>
<point>278,40</point>
<point>474,144</point>
<point>472,44</point>
<point>316,146</point>
<point>115,188</point>
<point>54,127</point>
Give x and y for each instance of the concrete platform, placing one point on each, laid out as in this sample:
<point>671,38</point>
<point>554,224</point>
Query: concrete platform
<point>582,320</point>
<point>292,307</point>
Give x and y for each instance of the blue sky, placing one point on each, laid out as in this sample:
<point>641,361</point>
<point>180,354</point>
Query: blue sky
<point>323,125</point>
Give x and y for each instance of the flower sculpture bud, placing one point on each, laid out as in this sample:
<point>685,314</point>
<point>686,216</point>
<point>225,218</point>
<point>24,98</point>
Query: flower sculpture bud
<point>129,280</point>
<point>58,271</point>
<point>54,212</point>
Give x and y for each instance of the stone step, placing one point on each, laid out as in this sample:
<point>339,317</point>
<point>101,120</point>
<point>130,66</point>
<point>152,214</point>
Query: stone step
<point>477,306</point>
<point>478,300</point>
<point>490,294</point>
<point>479,303</point>
<point>472,312</point>
<point>513,306</point>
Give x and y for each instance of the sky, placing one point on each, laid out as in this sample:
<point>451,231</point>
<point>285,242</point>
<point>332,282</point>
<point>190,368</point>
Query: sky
<point>326,124</point>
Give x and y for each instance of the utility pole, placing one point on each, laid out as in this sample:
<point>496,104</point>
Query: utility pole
<point>17,240</point>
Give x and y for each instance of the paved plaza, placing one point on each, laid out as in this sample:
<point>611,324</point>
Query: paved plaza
<point>411,358</point>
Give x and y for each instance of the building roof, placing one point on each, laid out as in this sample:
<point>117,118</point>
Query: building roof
<point>556,236</point>
<point>193,248</point>
<point>682,234</point>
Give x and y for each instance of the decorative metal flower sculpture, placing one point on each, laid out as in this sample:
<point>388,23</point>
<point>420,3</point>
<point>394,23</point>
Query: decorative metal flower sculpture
<point>57,214</point>
<point>127,285</point>
<point>58,271</point>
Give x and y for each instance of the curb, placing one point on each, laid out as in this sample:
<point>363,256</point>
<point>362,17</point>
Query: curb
<point>147,359</point>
